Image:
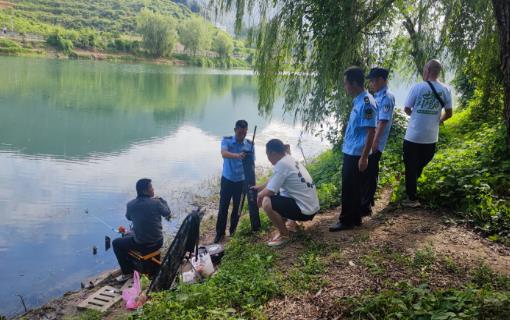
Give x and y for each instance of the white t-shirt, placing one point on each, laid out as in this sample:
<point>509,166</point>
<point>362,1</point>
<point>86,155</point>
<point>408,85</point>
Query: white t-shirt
<point>423,126</point>
<point>291,179</point>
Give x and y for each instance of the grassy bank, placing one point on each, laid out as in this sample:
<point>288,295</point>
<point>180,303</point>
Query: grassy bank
<point>251,276</point>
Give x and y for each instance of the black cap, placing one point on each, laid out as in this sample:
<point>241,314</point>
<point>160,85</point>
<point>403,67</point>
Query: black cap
<point>378,72</point>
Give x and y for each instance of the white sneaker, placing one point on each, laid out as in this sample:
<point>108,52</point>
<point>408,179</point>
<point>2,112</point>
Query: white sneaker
<point>123,277</point>
<point>411,203</point>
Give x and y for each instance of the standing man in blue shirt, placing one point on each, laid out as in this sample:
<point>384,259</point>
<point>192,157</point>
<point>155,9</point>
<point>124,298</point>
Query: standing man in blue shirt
<point>385,102</point>
<point>358,141</point>
<point>233,151</point>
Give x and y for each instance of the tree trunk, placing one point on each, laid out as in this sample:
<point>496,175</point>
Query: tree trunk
<point>502,13</point>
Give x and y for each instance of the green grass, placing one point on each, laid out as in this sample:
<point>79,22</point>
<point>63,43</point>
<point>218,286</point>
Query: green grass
<point>306,273</point>
<point>406,301</point>
<point>10,47</point>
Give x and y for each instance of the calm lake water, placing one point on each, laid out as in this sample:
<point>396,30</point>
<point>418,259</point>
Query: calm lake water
<point>76,135</point>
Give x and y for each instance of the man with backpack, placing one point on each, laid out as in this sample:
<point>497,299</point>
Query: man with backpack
<point>424,105</point>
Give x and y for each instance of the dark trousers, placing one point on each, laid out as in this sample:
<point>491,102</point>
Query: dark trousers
<point>372,176</point>
<point>416,157</point>
<point>353,181</point>
<point>229,190</point>
<point>121,247</point>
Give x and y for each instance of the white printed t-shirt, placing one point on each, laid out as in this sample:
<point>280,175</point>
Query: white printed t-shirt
<point>423,126</point>
<point>292,180</point>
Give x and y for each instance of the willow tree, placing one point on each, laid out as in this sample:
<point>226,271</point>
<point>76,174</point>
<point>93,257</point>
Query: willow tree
<point>502,14</point>
<point>158,32</point>
<point>303,48</point>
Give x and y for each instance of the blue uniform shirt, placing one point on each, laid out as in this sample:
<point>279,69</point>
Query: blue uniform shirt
<point>233,168</point>
<point>363,116</point>
<point>385,104</point>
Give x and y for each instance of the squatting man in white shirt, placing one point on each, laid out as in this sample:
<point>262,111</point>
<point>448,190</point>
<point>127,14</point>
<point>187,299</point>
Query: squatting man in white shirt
<point>289,194</point>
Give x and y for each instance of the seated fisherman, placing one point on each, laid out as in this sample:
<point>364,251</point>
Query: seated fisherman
<point>289,194</point>
<point>145,212</point>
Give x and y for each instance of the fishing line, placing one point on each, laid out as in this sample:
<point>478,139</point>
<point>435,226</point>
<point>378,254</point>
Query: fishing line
<point>102,221</point>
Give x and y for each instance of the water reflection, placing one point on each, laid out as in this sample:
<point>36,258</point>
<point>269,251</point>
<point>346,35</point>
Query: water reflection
<point>74,109</point>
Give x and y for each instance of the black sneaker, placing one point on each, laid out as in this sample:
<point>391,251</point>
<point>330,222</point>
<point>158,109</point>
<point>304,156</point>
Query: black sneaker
<point>340,227</point>
<point>367,212</point>
<point>218,238</point>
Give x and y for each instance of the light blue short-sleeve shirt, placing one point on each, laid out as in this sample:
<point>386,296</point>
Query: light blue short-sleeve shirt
<point>385,105</point>
<point>363,117</point>
<point>233,168</point>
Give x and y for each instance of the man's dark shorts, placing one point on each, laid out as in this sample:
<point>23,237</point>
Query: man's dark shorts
<point>288,208</point>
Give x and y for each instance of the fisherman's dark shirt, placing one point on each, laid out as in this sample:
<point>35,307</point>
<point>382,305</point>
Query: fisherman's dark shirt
<point>146,213</point>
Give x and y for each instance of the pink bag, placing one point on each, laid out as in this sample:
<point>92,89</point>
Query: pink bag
<point>134,297</point>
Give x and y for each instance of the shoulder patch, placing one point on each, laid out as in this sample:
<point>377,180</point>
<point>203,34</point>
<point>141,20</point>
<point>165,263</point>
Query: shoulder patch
<point>386,108</point>
<point>369,113</point>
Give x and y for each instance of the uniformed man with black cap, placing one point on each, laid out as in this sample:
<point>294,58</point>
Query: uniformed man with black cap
<point>385,104</point>
<point>233,151</point>
<point>358,140</point>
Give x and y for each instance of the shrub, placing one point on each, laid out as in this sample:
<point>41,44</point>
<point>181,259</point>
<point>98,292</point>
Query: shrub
<point>409,302</point>
<point>57,41</point>
<point>471,175</point>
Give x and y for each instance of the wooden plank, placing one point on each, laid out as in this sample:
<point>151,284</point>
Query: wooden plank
<point>102,299</point>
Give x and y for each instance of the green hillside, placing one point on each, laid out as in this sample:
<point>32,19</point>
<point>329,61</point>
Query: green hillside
<point>116,16</point>
<point>113,26</point>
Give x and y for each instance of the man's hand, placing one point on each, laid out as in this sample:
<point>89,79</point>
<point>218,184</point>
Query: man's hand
<point>260,197</point>
<point>241,155</point>
<point>374,146</point>
<point>362,163</point>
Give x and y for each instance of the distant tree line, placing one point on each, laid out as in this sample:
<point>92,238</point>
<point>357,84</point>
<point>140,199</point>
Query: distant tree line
<point>161,33</point>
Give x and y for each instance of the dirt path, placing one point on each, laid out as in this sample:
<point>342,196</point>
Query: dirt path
<point>392,245</point>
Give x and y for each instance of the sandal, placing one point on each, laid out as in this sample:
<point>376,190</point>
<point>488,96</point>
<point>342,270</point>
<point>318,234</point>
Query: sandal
<point>278,241</point>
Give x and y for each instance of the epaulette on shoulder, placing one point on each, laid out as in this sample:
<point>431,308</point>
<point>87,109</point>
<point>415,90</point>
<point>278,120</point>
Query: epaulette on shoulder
<point>228,137</point>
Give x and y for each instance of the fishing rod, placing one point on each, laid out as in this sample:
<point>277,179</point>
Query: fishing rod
<point>247,186</point>
<point>300,146</point>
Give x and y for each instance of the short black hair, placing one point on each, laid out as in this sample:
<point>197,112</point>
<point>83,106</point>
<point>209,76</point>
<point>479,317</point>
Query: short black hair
<point>142,185</point>
<point>378,72</point>
<point>242,124</point>
<point>275,145</point>
<point>354,75</point>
